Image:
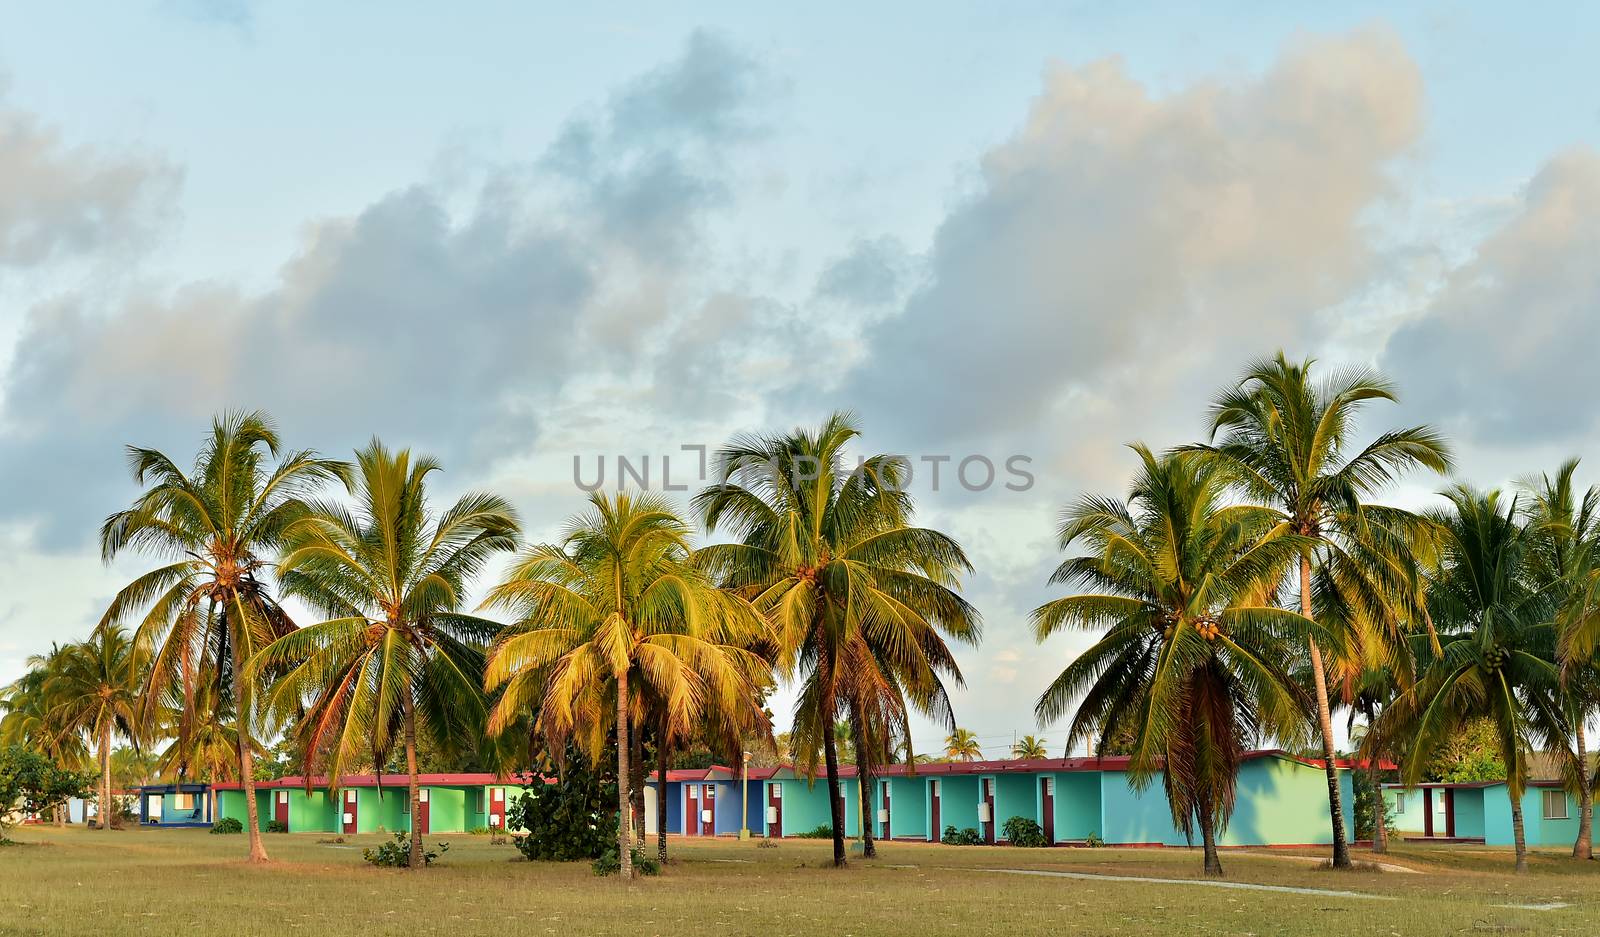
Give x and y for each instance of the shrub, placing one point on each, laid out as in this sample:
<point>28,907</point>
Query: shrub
<point>1023,831</point>
<point>607,863</point>
<point>966,837</point>
<point>273,826</point>
<point>825,831</point>
<point>396,854</point>
<point>571,820</point>
<point>35,784</point>
<point>227,826</point>
<point>1094,841</point>
<point>478,831</point>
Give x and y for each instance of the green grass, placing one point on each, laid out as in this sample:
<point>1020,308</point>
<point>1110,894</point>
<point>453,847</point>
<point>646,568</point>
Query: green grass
<point>188,882</point>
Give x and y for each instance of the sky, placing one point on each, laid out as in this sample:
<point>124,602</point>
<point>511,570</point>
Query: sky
<point>514,236</point>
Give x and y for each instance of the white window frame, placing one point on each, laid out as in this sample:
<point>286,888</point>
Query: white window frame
<point>1399,801</point>
<point>1550,797</point>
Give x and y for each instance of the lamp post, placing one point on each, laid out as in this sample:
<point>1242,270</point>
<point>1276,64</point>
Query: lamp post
<point>744,796</point>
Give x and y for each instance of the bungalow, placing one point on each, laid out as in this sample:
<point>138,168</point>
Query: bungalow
<point>174,805</point>
<point>1480,812</point>
<point>448,803</point>
<point>1281,801</point>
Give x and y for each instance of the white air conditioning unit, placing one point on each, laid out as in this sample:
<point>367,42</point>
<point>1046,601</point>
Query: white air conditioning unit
<point>705,816</point>
<point>772,815</point>
<point>494,821</point>
<point>883,816</point>
<point>349,819</point>
<point>984,813</point>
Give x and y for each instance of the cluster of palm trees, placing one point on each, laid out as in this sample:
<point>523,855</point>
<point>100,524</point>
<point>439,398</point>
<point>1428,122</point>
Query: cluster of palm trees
<point>622,634</point>
<point>1247,585</point>
<point>1243,589</point>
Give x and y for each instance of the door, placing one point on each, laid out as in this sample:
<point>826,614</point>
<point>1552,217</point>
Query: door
<point>691,810</point>
<point>884,786</point>
<point>350,818</point>
<point>708,811</point>
<point>280,808</point>
<point>1047,805</point>
<point>422,812</point>
<point>988,801</point>
<point>497,808</point>
<point>774,810</point>
<point>1427,811</point>
<point>935,828</point>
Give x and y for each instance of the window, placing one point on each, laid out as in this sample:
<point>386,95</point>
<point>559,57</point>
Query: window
<point>1439,804</point>
<point>1049,786</point>
<point>1399,801</point>
<point>1555,805</point>
<point>185,801</point>
<point>777,792</point>
<point>477,801</point>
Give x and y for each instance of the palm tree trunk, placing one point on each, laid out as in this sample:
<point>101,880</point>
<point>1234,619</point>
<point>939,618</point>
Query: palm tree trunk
<point>1380,831</point>
<point>1583,848</point>
<point>864,780</point>
<point>1517,832</point>
<point>830,755</point>
<point>624,847</point>
<point>1341,848</point>
<point>1208,838</point>
<point>636,788</point>
<point>247,764</point>
<point>663,759</point>
<point>409,711</point>
<point>106,810</point>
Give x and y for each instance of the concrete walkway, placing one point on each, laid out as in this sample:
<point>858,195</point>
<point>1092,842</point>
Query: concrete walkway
<point>1200,882</point>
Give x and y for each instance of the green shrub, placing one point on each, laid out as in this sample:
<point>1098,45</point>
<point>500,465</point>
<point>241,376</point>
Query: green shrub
<point>227,825</point>
<point>825,831</point>
<point>608,864</point>
<point>396,854</point>
<point>1094,841</point>
<point>273,826</point>
<point>478,831</point>
<point>1023,831</point>
<point>966,837</point>
<point>571,820</point>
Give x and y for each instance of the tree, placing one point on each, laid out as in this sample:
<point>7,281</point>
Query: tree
<point>33,784</point>
<point>1565,526</point>
<point>204,744</point>
<point>962,745</point>
<point>860,601</point>
<point>211,608</point>
<point>616,610</point>
<point>395,657</point>
<point>1285,442</point>
<point>28,719</point>
<point>95,692</point>
<point>1497,645</point>
<point>1030,747</point>
<point>1192,650</point>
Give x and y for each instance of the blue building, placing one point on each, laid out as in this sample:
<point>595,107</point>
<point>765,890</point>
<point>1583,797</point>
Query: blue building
<point>174,805</point>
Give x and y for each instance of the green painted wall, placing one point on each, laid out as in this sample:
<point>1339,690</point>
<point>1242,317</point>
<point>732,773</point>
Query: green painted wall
<point>1410,819</point>
<point>908,814</point>
<point>805,806</point>
<point>447,809</point>
<point>1078,806</point>
<point>1469,813</point>
<point>1282,802</point>
<point>958,803</point>
<point>1015,795</point>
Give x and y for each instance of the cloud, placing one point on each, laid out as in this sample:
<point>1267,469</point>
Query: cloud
<point>1122,238</point>
<point>60,201</point>
<point>450,329</point>
<point>1503,354</point>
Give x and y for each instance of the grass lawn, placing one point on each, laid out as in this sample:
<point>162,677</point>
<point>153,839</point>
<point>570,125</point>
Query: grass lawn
<point>76,881</point>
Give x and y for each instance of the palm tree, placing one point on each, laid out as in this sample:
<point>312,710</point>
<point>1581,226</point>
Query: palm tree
<point>95,693</point>
<point>395,657</point>
<point>1497,645</point>
<point>204,742</point>
<point>615,610</point>
<point>1565,527</point>
<point>30,719</point>
<point>1030,747</point>
<point>1193,650</point>
<point>829,555</point>
<point>211,609</point>
<point>962,745</point>
<point>132,766</point>
<point>1285,443</point>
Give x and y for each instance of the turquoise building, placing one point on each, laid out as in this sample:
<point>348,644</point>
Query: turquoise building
<point>1480,812</point>
<point>174,805</point>
<point>1282,801</point>
<point>449,803</point>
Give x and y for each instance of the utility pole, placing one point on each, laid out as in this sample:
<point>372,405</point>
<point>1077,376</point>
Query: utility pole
<point>744,795</point>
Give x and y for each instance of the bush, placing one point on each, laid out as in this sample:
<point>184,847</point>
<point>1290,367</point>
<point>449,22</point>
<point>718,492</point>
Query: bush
<point>825,831</point>
<point>1023,831</point>
<point>273,826</point>
<point>227,826</point>
<point>1094,841</point>
<point>608,864</point>
<point>478,831</point>
<point>34,784</point>
<point>396,854</point>
<point>571,820</point>
<point>966,837</point>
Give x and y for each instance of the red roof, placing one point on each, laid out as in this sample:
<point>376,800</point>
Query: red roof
<point>389,780</point>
